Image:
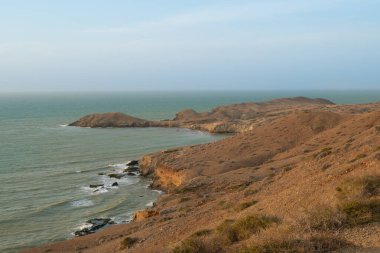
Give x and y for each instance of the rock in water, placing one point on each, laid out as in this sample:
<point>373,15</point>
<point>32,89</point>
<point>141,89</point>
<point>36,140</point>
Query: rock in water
<point>133,163</point>
<point>95,224</point>
<point>96,185</point>
<point>117,176</point>
<point>115,184</point>
<point>132,169</point>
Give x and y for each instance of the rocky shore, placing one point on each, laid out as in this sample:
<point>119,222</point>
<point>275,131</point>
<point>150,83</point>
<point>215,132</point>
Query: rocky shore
<point>95,224</point>
<point>299,175</point>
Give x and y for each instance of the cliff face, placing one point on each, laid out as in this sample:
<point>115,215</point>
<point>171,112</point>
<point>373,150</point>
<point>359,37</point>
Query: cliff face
<point>164,176</point>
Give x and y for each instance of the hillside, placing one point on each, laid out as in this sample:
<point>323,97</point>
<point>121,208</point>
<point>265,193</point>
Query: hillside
<point>305,179</point>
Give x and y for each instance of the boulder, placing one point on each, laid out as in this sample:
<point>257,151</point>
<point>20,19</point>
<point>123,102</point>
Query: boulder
<point>117,176</point>
<point>132,169</point>
<point>115,184</point>
<point>96,185</point>
<point>133,163</point>
<point>95,224</point>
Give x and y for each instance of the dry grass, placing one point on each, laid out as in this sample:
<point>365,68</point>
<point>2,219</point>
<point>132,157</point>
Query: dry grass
<point>201,233</point>
<point>227,233</point>
<point>359,203</point>
<point>234,231</point>
<point>314,244</point>
<point>128,242</point>
<point>244,205</point>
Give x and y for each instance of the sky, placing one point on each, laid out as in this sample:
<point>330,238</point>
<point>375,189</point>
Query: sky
<point>117,45</point>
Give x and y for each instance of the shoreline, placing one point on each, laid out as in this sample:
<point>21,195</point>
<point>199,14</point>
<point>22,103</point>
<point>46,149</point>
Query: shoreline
<point>202,181</point>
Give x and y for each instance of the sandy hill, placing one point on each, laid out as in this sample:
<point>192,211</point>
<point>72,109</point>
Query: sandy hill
<point>307,180</point>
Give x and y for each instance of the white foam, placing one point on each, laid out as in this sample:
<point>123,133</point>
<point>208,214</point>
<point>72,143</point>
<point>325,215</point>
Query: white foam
<point>150,204</point>
<point>64,125</point>
<point>159,192</point>
<point>78,171</point>
<point>93,191</point>
<point>121,166</point>
<point>83,226</point>
<point>82,203</point>
<point>123,219</point>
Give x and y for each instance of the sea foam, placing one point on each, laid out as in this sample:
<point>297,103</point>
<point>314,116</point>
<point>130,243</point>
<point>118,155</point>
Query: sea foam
<point>82,203</point>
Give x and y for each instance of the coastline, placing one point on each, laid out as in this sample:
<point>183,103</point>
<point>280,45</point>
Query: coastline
<point>199,176</point>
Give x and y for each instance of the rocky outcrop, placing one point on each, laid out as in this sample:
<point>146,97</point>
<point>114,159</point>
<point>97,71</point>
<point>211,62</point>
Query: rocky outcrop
<point>144,214</point>
<point>164,176</point>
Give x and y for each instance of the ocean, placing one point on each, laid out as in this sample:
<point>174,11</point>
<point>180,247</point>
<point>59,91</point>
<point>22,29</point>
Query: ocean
<point>46,167</point>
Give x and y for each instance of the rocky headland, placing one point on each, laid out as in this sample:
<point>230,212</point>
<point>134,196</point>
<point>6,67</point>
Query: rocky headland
<point>299,175</point>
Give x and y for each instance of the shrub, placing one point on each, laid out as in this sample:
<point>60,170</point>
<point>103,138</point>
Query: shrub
<point>197,245</point>
<point>357,189</point>
<point>315,244</point>
<point>243,228</point>
<point>244,205</point>
<point>323,219</point>
<point>359,203</point>
<point>191,245</point>
<point>203,232</point>
<point>128,242</point>
<point>250,192</point>
<point>358,157</point>
<point>361,212</point>
<point>323,153</point>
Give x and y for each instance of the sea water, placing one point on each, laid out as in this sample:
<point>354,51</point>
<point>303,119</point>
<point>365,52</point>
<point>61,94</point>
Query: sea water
<point>46,167</point>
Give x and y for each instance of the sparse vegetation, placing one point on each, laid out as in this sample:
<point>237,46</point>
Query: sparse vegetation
<point>315,244</point>
<point>203,232</point>
<point>227,233</point>
<point>359,203</point>
<point>323,153</point>
<point>128,242</point>
<point>192,245</point>
<point>322,219</point>
<point>233,231</point>
<point>224,204</point>
<point>250,192</point>
<point>244,205</point>
<point>184,199</point>
<point>361,212</point>
<point>358,157</point>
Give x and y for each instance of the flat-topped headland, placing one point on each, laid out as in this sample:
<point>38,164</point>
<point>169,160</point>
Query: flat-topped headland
<point>233,118</point>
<point>298,175</point>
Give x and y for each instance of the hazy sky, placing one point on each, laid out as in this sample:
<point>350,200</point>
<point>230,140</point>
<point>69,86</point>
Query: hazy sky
<point>78,45</point>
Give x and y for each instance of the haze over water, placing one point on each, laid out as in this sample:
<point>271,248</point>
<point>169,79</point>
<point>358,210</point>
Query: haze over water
<point>46,167</point>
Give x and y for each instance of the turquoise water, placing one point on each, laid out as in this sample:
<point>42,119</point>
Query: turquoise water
<point>46,167</point>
